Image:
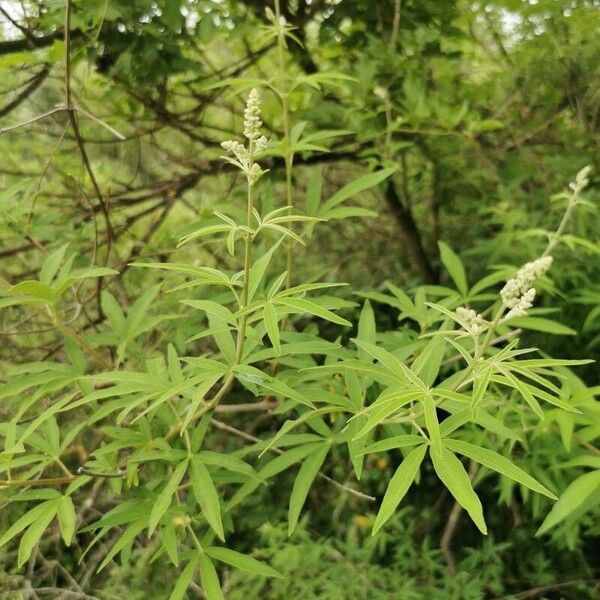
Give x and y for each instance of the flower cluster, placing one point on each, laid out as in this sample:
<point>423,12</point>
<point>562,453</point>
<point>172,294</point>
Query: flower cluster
<point>518,294</point>
<point>581,180</point>
<point>243,157</point>
<point>473,322</point>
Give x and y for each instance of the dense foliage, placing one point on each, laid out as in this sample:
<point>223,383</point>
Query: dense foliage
<point>284,295</point>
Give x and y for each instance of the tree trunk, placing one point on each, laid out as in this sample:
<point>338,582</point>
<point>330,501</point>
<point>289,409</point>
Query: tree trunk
<point>410,235</point>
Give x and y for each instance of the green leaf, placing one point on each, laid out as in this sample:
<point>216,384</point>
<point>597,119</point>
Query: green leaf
<point>168,538</point>
<point>184,580</point>
<point>258,270</point>
<point>210,307</point>
<point>306,475</point>
<point>540,324</point>
<point>498,463</point>
<point>227,461</point>
<point>210,579</point>
<point>523,388</point>
<point>367,330</point>
<point>163,501</point>
<point>222,336</point>
<point>34,533</point>
<point>454,267</point>
<point>253,375</point>
<point>302,305</point>
<point>198,397</point>
<point>286,460</point>
<point>66,518</point>
<point>138,311</point>
<point>356,446</point>
<point>453,475</point>
<point>399,485</point>
<point>393,364</point>
<point>203,232</point>
<point>206,495</point>
<point>51,264</point>
<point>29,517</point>
<point>35,289</point>
<point>113,311</point>
<point>393,443</point>
<point>578,492</point>
<point>64,282</point>
<point>388,403</point>
<point>345,212</point>
<point>358,185</point>
<point>124,542</point>
<point>313,193</point>
<point>242,561</point>
<point>431,422</point>
<point>427,364</point>
<point>270,319</point>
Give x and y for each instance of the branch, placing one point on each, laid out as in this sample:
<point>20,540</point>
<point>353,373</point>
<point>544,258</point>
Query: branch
<point>75,126</point>
<point>33,85</point>
<point>410,233</point>
<point>30,42</point>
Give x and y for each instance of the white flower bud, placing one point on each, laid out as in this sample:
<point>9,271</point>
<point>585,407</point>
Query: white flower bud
<point>473,322</point>
<point>521,305</point>
<point>252,122</point>
<point>243,158</point>
<point>515,288</point>
<point>581,180</point>
<point>381,92</point>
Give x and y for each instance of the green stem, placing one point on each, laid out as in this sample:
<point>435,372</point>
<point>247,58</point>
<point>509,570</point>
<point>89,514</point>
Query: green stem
<point>241,333</point>
<point>563,223</point>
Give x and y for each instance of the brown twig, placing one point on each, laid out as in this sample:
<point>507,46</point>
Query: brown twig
<point>33,84</point>
<point>72,112</point>
<point>539,591</point>
<point>396,23</point>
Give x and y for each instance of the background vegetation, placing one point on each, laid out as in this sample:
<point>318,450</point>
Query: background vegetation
<point>475,115</point>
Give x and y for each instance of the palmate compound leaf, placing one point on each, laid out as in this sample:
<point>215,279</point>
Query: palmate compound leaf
<point>453,475</point>
<point>399,485</point>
